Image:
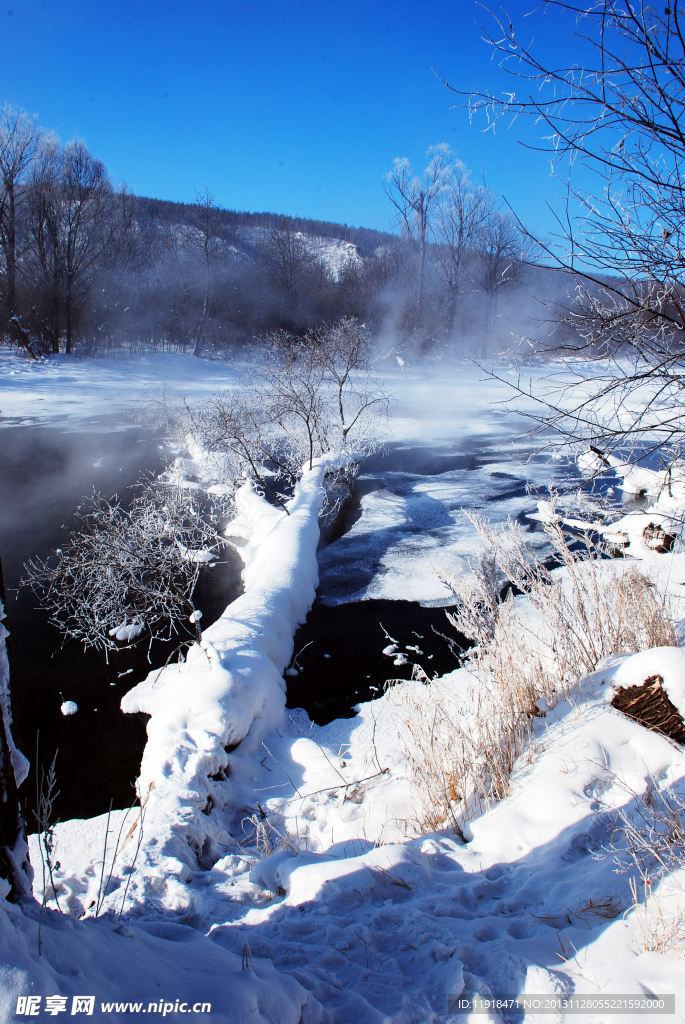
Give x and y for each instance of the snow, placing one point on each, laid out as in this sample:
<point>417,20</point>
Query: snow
<point>377,927</point>
<point>411,523</point>
<point>642,531</point>
<point>274,868</point>
<point>126,631</point>
<point>19,762</point>
<point>70,390</point>
<point>229,691</point>
<point>69,707</point>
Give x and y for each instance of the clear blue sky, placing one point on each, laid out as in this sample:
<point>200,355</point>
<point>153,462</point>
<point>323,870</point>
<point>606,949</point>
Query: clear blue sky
<point>296,107</point>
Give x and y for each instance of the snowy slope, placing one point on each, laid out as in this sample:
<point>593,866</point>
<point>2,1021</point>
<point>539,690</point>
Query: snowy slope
<point>533,903</point>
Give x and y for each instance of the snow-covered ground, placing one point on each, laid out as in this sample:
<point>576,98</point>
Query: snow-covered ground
<point>273,870</point>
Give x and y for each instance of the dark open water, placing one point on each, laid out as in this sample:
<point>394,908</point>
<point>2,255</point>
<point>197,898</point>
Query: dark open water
<point>44,471</point>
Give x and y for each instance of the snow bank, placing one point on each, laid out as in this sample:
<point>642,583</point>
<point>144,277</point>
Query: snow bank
<point>378,926</point>
<point>367,920</point>
<point>153,967</point>
<point>19,762</point>
<point>640,533</point>
<point>230,691</point>
<point>158,964</point>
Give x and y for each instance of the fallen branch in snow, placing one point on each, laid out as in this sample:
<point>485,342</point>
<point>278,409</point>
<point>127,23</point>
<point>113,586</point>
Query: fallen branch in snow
<point>332,789</point>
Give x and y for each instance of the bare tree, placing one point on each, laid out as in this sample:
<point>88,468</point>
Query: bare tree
<point>416,200</point>
<point>21,139</point>
<point>356,402</point>
<point>78,224</point>
<point>126,572</point>
<point>320,394</point>
<point>618,115</point>
<point>289,258</point>
<point>239,428</point>
<point>201,241</point>
<point>464,212</point>
<point>503,251</point>
<point>311,396</point>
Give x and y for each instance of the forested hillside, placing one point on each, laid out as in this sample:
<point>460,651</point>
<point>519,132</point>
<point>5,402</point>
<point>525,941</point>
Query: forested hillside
<point>89,267</point>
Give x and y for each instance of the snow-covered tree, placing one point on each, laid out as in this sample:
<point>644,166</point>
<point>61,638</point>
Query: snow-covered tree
<point>311,396</point>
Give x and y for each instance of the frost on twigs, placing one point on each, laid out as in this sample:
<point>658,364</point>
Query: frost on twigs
<point>651,828</point>
<point>310,397</point>
<point>129,571</point>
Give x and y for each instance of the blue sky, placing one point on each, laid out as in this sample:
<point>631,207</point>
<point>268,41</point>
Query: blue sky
<point>296,107</point>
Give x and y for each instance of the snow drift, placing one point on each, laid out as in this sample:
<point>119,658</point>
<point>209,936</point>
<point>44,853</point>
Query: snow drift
<point>230,691</point>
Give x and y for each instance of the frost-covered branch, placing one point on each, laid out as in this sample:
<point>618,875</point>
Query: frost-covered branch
<point>310,396</point>
<point>128,571</point>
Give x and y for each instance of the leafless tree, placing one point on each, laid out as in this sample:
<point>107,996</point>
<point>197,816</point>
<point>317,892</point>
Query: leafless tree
<point>238,427</point>
<point>289,258</point>
<point>464,212</point>
<point>311,396</point>
<point>612,128</point>
<point>319,392</point>
<point>128,571</point>
<point>21,139</point>
<point>201,241</point>
<point>503,250</point>
<point>416,200</point>
<point>79,227</point>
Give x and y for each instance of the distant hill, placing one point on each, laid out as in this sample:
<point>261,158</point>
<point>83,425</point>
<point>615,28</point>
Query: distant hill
<point>367,240</point>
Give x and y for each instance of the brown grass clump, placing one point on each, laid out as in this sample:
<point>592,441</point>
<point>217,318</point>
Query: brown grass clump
<point>527,655</point>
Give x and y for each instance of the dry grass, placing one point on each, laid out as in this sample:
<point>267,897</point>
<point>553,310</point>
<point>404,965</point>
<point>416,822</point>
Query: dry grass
<point>652,830</point>
<point>462,747</point>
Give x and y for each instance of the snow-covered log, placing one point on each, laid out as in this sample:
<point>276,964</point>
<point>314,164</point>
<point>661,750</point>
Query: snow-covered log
<point>230,691</point>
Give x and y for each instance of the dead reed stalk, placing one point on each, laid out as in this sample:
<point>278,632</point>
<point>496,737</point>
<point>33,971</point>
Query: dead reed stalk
<point>529,652</point>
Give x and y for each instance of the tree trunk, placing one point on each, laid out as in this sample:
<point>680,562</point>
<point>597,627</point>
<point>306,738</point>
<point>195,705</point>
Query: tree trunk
<point>11,263</point>
<point>14,866</point>
<point>197,350</point>
<point>67,317</point>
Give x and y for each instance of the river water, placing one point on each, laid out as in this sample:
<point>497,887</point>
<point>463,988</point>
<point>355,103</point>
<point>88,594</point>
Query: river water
<point>379,574</point>
<point>44,471</point>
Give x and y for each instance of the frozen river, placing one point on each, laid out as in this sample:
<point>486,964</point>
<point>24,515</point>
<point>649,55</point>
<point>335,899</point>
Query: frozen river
<point>448,449</point>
